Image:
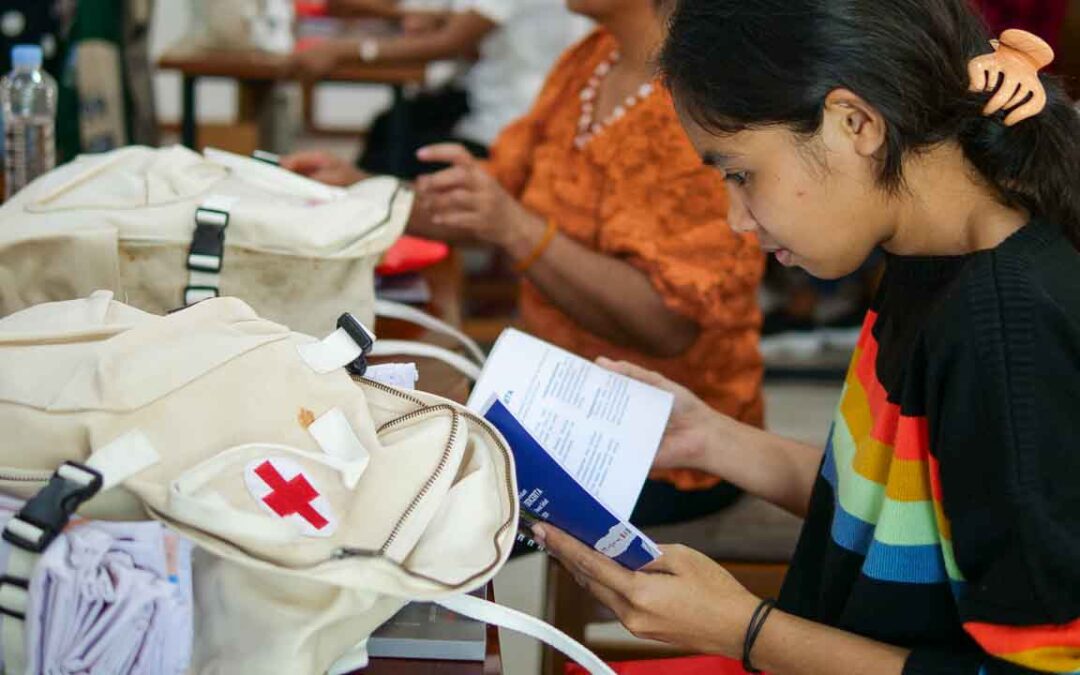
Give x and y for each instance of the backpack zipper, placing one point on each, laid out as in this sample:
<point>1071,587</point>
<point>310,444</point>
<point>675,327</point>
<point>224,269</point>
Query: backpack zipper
<point>26,475</point>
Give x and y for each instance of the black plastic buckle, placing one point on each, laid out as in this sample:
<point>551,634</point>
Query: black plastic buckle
<point>363,339</point>
<point>208,240</point>
<point>51,508</point>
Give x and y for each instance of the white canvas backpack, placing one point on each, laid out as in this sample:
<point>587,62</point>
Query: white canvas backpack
<point>320,501</point>
<point>165,228</point>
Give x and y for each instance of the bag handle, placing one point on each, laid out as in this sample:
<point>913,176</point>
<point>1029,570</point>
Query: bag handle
<point>504,617</point>
<point>409,348</point>
<point>395,310</point>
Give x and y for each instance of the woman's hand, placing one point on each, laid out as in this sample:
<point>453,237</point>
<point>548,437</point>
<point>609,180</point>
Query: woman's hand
<point>691,427</point>
<point>683,598</point>
<point>316,61</point>
<point>420,22</point>
<point>466,202</point>
<point>324,167</point>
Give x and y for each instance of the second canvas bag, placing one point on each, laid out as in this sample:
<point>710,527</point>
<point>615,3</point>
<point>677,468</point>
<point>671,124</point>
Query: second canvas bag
<point>165,228</point>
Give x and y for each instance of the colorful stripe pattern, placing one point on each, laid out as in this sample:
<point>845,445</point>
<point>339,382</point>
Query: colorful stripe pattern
<point>888,508</point>
<point>888,497</point>
<point>1051,649</point>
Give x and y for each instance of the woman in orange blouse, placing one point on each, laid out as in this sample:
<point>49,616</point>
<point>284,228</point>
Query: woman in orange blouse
<point>619,231</point>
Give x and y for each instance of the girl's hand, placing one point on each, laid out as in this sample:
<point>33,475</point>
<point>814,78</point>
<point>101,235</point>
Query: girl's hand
<point>692,425</point>
<point>683,598</point>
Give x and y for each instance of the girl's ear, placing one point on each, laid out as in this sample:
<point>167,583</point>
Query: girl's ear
<point>850,119</point>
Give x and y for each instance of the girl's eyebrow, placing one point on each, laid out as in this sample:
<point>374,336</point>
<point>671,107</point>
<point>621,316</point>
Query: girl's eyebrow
<point>716,159</point>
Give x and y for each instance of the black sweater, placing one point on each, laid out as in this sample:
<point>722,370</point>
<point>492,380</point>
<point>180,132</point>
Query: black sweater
<point>946,517</point>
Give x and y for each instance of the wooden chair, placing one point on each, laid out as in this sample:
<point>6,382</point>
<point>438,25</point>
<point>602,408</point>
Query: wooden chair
<point>752,539</point>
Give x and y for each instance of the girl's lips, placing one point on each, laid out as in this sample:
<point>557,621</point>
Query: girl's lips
<point>784,257</point>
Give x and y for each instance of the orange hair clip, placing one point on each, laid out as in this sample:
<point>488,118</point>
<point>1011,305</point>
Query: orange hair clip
<point>1016,61</point>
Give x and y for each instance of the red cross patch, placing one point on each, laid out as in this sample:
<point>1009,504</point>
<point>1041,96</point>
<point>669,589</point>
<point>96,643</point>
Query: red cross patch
<point>283,489</point>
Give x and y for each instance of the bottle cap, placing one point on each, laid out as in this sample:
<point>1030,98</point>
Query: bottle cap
<point>26,56</point>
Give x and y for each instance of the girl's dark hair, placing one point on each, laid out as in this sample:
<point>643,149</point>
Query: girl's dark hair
<point>738,64</point>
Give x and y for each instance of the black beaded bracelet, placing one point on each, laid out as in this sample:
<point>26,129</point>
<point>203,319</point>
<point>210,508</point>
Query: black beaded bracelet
<point>757,621</point>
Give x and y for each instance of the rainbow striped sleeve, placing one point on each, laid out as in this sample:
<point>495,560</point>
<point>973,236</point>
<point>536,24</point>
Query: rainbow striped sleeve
<point>1047,649</point>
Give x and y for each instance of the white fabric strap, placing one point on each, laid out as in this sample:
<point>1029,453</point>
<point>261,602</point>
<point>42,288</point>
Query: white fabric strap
<point>200,278</point>
<point>336,437</point>
<point>396,310</point>
<point>219,203</point>
<point>193,294</point>
<point>15,598</point>
<point>335,351</point>
<point>116,462</point>
<point>201,262</point>
<point>497,615</point>
<point>462,364</point>
<point>122,458</point>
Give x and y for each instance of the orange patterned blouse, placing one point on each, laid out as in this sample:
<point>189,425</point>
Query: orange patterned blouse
<point>638,191</point>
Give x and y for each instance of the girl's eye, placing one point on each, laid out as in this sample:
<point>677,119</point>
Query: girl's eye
<point>738,178</point>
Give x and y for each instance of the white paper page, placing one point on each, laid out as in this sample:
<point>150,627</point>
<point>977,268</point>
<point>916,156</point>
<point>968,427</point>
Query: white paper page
<point>602,427</point>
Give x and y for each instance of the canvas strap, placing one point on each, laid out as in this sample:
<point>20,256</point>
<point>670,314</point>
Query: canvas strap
<point>396,310</point>
<point>43,518</point>
<point>504,617</point>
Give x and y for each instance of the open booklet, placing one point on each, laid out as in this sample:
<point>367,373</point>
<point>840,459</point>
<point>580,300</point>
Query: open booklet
<point>583,439</point>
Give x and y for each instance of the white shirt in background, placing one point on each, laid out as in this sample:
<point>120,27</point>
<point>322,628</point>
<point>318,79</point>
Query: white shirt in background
<point>514,60</point>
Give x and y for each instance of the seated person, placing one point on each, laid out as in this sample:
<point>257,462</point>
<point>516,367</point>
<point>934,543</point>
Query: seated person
<point>942,531</point>
<point>618,229</point>
<point>516,42</point>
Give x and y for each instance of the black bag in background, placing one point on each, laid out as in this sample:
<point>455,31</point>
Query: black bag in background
<point>429,117</point>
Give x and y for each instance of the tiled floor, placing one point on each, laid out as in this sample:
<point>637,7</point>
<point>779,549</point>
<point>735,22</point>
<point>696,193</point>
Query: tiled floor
<point>802,411</point>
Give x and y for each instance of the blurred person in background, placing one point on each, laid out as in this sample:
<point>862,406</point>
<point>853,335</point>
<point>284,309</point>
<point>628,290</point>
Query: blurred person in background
<point>514,43</point>
<point>618,229</point>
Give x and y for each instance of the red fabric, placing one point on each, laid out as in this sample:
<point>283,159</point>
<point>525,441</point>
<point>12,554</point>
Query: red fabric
<point>310,8</point>
<point>1042,17</point>
<point>292,496</point>
<point>409,254</point>
<point>691,665</point>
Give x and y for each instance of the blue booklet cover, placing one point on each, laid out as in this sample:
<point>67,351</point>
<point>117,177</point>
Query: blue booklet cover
<point>548,492</point>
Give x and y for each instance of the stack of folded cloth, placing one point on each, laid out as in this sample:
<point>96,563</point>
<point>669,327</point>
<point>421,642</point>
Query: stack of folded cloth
<point>108,597</point>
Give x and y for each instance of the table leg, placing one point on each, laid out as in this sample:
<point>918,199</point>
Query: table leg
<point>187,114</point>
<point>257,107</point>
<point>399,132</point>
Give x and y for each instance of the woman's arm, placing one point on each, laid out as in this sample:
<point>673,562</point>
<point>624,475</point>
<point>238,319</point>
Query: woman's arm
<point>387,9</point>
<point>458,36</point>
<point>608,296</point>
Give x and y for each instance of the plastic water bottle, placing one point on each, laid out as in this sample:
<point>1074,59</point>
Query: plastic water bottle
<point>28,102</point>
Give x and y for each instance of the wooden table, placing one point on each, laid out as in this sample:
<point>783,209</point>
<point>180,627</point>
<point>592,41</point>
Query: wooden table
<point>447,281</point>
<point>257,72</point>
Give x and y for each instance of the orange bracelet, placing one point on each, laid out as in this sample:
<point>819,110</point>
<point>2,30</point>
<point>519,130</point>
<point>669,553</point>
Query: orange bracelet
<point>530,260</point>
